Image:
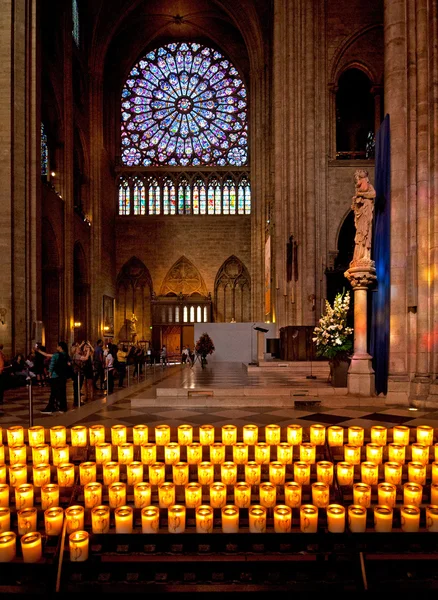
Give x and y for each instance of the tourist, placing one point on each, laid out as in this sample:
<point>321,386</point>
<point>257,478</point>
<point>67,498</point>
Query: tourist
<point>59,371</point>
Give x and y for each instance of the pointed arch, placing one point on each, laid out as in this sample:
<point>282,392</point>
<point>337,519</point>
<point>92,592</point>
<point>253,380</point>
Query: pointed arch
<point>183,278</point>
<point>232,290</point>
<point>134,291</point>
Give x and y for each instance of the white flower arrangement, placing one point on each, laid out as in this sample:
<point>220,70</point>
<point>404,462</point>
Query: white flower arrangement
<point>333,336</point>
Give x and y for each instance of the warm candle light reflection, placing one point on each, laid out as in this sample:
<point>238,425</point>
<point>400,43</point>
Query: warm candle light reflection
<point>218,494</point>
<point>97,434</point>
<point>240,453</point>
<point>111,472</point>
<point>103,453</point>
<point>206,435</point>
<point>355,435</point>
<point>410,518</point>
<point>36,435</point>
<point>257,519</point>
<point>117,494</point>
<point>229,473</point>
<point>400,435</point>
<point>125,453</point>
<point>134,472</point>
<point>369,473</point>
<point>383,517</point>
<point>74,516</point>
<point>124,519</point>
<point>308,453</point>
<point>5,519</point>
<point>204,519</point>
<point>397,453</point>
<point>320,494</point>
<point>78,546</point>
<point>176,518</point>
<point>292,494</point>
<point>41,475</point>
<point>284,453</point>
<point>217,453</point>
<point>148,453</point>
<point>17,454</point>
<point>8,545</point>
<point>79,436</point>
<point>193,494</point>
<point>386,494</point>
<point>294,434</point>
<point>53,520</point>
<point>379,435</point>
<point>58,436</point>
<point>250,434</point>
<point>140,434</point>
<point>393,472</point>
<point>352,454</point>
<point>335,518</point>
<point>15,435</point>
<point>118,435</point>
<point>142,494</point>
<point>425,435</point>
<point>268,494</point>
<point>308,518</point>
<point>302,473</point>
<point>24,496</point>
<point>31,547</point>
<point>432,517</point>
<point>252,473</point>
<point>317,434</point>
<point>272,434</point>
<point>374,453</point>
<point>150,519</point>
<point>194,453</point>
<point>229,435</point>
<point>40,454</point>
<point>166,494</point>
<point>185,435</point>
<point>282,519</point>
<point>60,454</point>
<point>157,473</point>
<point>162,435</point>
<point>92,494</point>
<point>325,471</point>
<point>87,472</point>
<point>172,453</point>
<point>412,493</point>
<point>242,494</point>
<point>100,519</point>
<point>230,519</point>
<point>66,474</point>
<point>49,495</point>
<point>420,453</point>
<point>357,518</point>
<point>417,472</point>
<point>335,436</point>
<point>362,494</point>
<point>27,520</point>
<point>4,494</point>
<point>205,473</point>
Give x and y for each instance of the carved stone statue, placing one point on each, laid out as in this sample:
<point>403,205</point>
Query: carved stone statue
<point>363,206</point>
<point>133,327</point>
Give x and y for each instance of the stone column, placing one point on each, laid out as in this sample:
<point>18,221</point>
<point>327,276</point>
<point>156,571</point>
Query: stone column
<point>361,373</point>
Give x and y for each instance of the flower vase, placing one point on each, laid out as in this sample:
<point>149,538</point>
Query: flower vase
<point>339,372</point>
<point>203,361</point>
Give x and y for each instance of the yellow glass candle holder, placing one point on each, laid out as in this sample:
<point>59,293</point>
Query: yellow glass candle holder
<point>36,435</point>
<point>242,495</point>
<point>362,494</point>
<point>157,473</point>
<point>110,472</point>
<point>194,453</point>
<point>60,454</point>
<point>229,435</point>
<point>27,520</point>
<point>206,435</point>
<point>79,436</point>
<point>412,493</point>
<point>87,472</point>
<point>268,494</point>
<point>335,518</point>
<point>317,434</point>
<point>228,473</point>
<point>204,519</point>
<point>134,472</point>
<point>17,454</point>
<point>369,473</point>
<point>142,494</point>
<point>379,435</point>
<point>193,494</point>
<point>74,516</point>
<point>325,471</point>
<point>282,518</point>
<point>41,475</point>
<point>78,542</point>
<point>166,494</point>
<point>148,453</point>
<point>386,494</point>
<point>118,435</point>
<point>96,434</point>
<point>2,454</point>
<point>185,435</point>
<point>257,519</point>
<point>217,453</point>
<point>4,494</point>
<point>434,472</point>
<point>15,435</point>
<point>58,436</point>
<point>357,518</point>
<point>24,496</point>
<point>320,494</point>
<point>374,453</point>
<point>49,495</point>
<point>176,518</point>
<point>92,494</point>
<point>3,473</point>
<point>425,435</point>
<point>308,453</point>
<point>420,453</point>
<point>5,519</point>
<point>150,519</point>
<point>432,518</point>
<point>17,475</point>
<point>250,434</point>
<point>53,520</point>
<point>230,519</point>
<point>397,453</point>
<point>292,494</point>
<point>393,472</point>
<point>218,494</point>
<point>284,453</point>
<point>66,474</point>
<point>262,453</point>
<point>240,453</point>
<point>383,518</point>
<point>8,546</point>
<point>100,519</point>
<point>125,453</point>
<point>180,473</point>
<point>140,434</point>
<point>253,473</point>
<point>308,518</point>
<point>172,453</point>
<point>124,519</point>
<point>335,436</point>
<point>401,434</point>
<point>302,473</point>
<point>409,518</point>
<point>352,454</point>
<point>356,435</point>
<point>162,435</point>
<point>31,547</point>
<point>417,472</point>
<point>272,434</point>
<point>117,494</point>
<point>205,473</point>
<point>277,473</point>
<point>294,434</point>
<point>40,454</point>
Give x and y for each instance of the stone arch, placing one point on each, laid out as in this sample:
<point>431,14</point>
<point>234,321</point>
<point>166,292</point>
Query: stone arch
<point>133,296</point>
<point>183,278</point>
<point>51,288</point>
<point>232,291</point>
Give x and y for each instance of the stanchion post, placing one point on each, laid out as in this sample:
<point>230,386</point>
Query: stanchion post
<point>107,381</point>
<point>138,374</point>
<point>79,389</point>
<point>29,385</point>
<point>127,374</point>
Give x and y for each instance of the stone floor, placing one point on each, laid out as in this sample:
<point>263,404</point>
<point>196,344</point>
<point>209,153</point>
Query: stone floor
<point>143,402</point>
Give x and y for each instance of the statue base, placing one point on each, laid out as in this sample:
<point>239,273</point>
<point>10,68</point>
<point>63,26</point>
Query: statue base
<point>361,378</point>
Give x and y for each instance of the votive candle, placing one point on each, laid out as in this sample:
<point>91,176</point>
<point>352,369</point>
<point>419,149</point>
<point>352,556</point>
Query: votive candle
<point>118,435</point>
<point>17,454</point>
<point>229,473</point>
<point>74,516</point>
<point>148,453</point>
<point>4,494</point>
<point>434,472</point>
<point>96,434</point>
<point>124,519</point>
<point>60,454</point>
<point>250,434</point>
<point>397,453</point>
<point>17,474</point>
<point>432,517</point>
<point>117,494</point>
<point>362,494</point>
<point>257,519</point>
<point>185,435</point>
<point>125,453</point>
<point>79,436</point>
<point>409,518</point>
<point>229,435</point>
<point>352,454</point>
<point>217,453</point>
<point>393,472</point>
<point>41,475</point>
<point>193,494</point>
<point>3,473</point>
<point>78,542</point>
<point>166,494</point>
<point>386,494</point>
<point>204,519</point>
<point>374,453</point>
<point>27,520</point>
<point>31,547</point>
<point>345,473</point>
<point>425,435</point>
<point>176,518</point>
<point>157,473</point>
<point>40,454</point>
<point>268,494</point>
<point>205,473</point>
<point>308,518</point>
<point>194,453</point>
<point>15,435</point>
<point>35,435</point>
<point>53,520</point>
<point>252,473</point>
<point>5,519</point>
<point>100,519</point>
<point>379,435</point>
<point>272,435</point>
<point>58,436</point>
<point>335,518</point>
<point>277,473</point>
<point>369,473</point>
<point>172,453</point>
<point>134,472</point>
<point>325,471</point>
<point>142,494</point>
<point>262,453</point>
<point>162,435</point>
<point>335,436</point>
<point>320,494</point>
<point>355,435</point>
<point>49,495</point>
<point>302,473</point>
<point>240,453</point>
<point>206,435</point>
<point>284,453</point>
<point>292,494</point>
<point>417,472</point>
<point>218,494</point>
<point>357,518</point>
<point>230,519</point>
<point>140,434</point>
<point>420,453</point>
<point>150,519</point>
<point>308,453</point>
<point>87,472</point>
<point>24,496</point>
<point>242,495</point>
<point>8,546</point>
<point>66,474</point>
<point>400,435</point>
<point>294,434</point>
<point>412,493</point>
<point>111,472</point>
<point>282,518</point>
<point>92,494</point>
<point>383,517</point>
<point>317,434</point>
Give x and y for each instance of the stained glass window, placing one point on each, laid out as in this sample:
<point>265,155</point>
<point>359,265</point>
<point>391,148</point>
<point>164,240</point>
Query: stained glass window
<point>184,104</point>
<point>124,198</point>
<point>169,197</point>
<point>183,196</point>
<point>75,18</point>
<point>244,197</point>
<point>154,196</point>
<point>44,153</point>
<point>139,196</point>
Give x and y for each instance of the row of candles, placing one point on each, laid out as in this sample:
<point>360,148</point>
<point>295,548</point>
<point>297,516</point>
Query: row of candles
<point>81,436</point>
<point>31,540</point>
